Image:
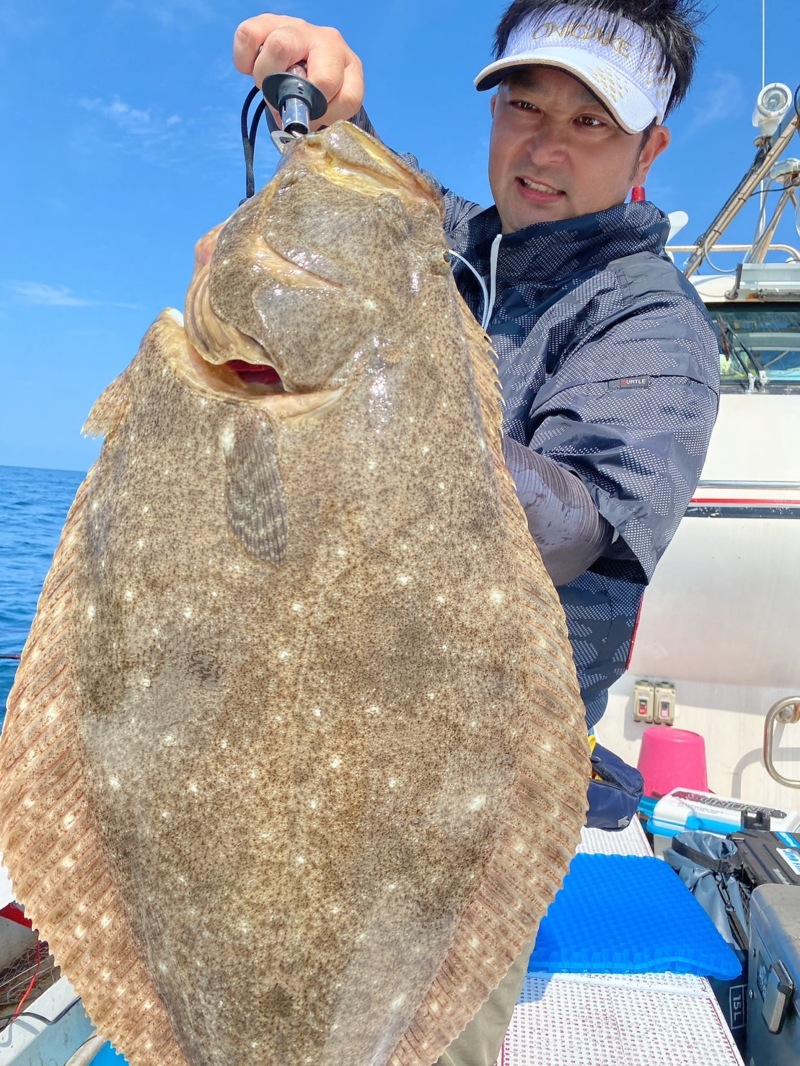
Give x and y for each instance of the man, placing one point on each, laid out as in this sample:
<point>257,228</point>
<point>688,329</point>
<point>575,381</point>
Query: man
<point>609,368</point>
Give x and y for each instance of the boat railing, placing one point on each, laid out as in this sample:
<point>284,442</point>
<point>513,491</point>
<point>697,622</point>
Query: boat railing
<point>787,711</point>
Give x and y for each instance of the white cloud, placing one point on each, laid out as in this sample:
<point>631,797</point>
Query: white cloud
<point>159,139</point>
<point>128,119</point>
<point>169,13</point>
<point>42,294</point>
<point>714,103</point>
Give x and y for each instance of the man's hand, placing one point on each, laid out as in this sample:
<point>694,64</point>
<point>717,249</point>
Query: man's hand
<point>269,44</point>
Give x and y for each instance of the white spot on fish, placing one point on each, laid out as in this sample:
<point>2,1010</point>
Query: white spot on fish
<point>105,921</point>
<point>163,372</point>
<point>187,612</point>
<point>403,579</point>
<point>144,682</point>
<point>374,709</point>
<point>370,305</point>
<point>392,887</point>
<point>193,787</point>
<point>163,967</point>
<point>113,782</point>
<point>165,814</point>
<point>497,596</point>
<point>284,655</point>
<point>278,717</point>
<point>473,725</point>
<point>441,600</point>
<point>441,486</point>
<point>317,712</point>
<point>227,439</point>
<point>91,612</point>
<point>298,607</point>
<point>80,932</point>
<point>313,804</point>
<point>140,544</point>
<point>336,763</point>
<point>168,740</point>
<point>478,803</point>
<point>342,553</point>
<point>426,450</point>
<point>396,1004</point>
<point>146,509</point>
<point>411,420</point>
<point>431,695</point>
<point>336,910</point>
<point>68,862</point>
<point>300,860</point>
<point>253,775</point>
<point>129,595</point>
<point>392,782</point>
<point>372,465</point>
<point>223,744</point>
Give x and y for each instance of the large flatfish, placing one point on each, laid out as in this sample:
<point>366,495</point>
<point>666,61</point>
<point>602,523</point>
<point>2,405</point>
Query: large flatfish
<point>296,760</point>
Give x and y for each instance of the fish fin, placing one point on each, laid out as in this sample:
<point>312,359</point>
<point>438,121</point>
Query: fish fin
<point>254,495</point>
<point>534,846</point>
<point>109,408</point>
<point>69,891</point>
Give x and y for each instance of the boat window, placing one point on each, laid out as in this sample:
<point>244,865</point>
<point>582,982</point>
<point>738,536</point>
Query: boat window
<point>759,345</point>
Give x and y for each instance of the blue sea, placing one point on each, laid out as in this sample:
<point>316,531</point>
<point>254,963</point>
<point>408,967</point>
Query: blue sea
<point>33,507</point>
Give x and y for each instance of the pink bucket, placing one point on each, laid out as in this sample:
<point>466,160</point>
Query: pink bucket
<point>672,758</point>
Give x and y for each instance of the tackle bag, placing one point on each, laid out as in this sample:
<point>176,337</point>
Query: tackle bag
<point>615,789</point>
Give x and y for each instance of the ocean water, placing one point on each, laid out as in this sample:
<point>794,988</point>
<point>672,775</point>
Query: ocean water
<point>33,507</point>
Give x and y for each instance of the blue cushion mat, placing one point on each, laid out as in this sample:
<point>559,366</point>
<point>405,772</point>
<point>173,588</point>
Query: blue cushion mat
<point>629,914</point>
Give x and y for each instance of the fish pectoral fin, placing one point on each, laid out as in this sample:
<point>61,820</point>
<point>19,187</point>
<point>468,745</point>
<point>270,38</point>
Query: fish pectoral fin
<point>109,408</point>
<point>254,497</point>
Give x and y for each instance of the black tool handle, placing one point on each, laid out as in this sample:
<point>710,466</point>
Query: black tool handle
<point>298,101</point>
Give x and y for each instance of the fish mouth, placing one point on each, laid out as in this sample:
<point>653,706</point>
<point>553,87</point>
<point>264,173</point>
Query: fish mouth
<point>227,363</point>
<point>257,384</point>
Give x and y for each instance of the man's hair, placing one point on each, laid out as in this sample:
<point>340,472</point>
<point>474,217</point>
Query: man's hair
<point>671,23</point>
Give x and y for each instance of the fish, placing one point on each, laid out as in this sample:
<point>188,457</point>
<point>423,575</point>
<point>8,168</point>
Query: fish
<point>295,759</point>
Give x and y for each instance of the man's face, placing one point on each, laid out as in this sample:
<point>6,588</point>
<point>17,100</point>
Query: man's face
<point>556,152</point>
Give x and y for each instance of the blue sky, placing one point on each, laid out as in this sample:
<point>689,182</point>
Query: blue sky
<point>119,134</point>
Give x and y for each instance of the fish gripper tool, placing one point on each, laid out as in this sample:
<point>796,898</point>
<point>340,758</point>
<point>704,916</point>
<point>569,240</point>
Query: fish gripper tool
<point>297,100</point>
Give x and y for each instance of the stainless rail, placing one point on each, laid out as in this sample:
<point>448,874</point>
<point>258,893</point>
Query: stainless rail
<point>769,151</point>
<point>787,249</point>
<point>788,711</point>
<point>772,486</point>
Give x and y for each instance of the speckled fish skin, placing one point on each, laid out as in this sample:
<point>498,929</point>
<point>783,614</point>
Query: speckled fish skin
<point>295,760</point>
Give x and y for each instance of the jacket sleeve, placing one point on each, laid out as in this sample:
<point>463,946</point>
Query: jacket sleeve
<point>630,410</point>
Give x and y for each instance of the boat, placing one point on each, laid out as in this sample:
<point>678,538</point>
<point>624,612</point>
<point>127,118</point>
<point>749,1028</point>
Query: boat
<point>715,650</point>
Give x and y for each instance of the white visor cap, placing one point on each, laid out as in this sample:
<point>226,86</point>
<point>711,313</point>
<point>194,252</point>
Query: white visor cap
<point>624,69</point>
